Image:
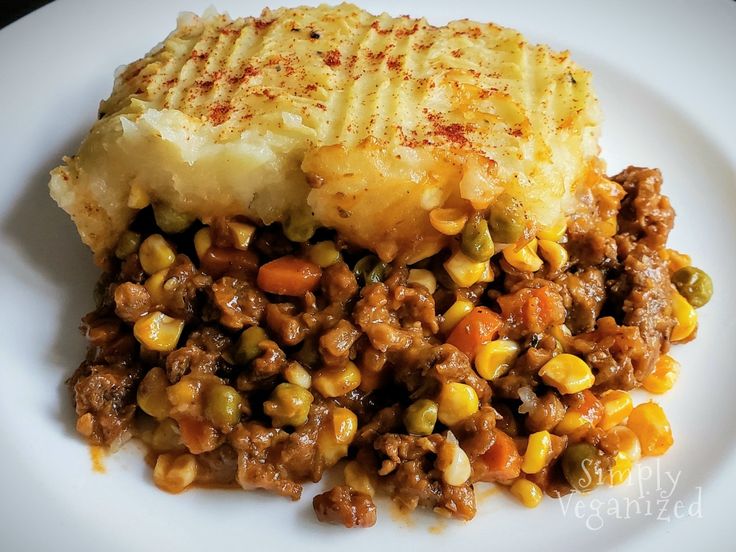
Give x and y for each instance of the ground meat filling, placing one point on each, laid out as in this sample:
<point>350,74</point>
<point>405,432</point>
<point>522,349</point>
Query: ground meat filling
<point>344,506</point>
<point>587,292</point>
<point>240,304</point>
<point>646,216</point>
<point>269,381</point>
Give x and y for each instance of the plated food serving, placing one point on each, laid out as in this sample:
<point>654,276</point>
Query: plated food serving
<point>334,240</point>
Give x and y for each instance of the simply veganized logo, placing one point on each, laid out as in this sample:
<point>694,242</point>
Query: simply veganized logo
<point>653,497</point>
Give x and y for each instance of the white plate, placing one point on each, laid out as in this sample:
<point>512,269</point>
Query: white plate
<point>665,76</point>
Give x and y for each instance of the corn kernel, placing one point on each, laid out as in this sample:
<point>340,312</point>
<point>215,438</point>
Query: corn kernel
<point>525,258</point>
<point>151,395</point>
<point>183,394</point>
<point>334,439</point>
<point>538,452</point>
<point>174,473</point>
<point>554,254</point>
<point>345,425</point>
<point>620,470</point>
<point>455,314</point>
<point>298,375</point>
<point>138,198</point>
<point>158,332</point>
<point>649,422</point>
<point>241,234</point>
<point>488,275</point>
<point>335,382</point>
<point>202,242</point>
<point>554,232</point>
<point>567,373</point>
<point>456,402</point>
<point>358,478</point>
<point>528,493</point>
<point>155,254</point>
<point>626,441</point>
<point>422,277</point>
<point>685,316</point>
<point>463,270</point>
<point>495,358</point>
<point>617,405</point>
<point>127,244</point>
<point>608,228</point>
<point>664,376</point>
<point>288,405</point>
<point>453,463</point>
<point>571,422</point>
<point>448,221</point>
<point>675,260</point>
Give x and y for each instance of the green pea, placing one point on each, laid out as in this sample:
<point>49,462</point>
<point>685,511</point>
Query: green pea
<point>299,226</point>
<point>288,405</point>
<point>475,240</point>
<point>166,436</point>
<point>127,244</point>
<point>377,273</point>
<point>694,285</point>
<point>324,254</point>
<point>370,270</point>
<point>308,354</point>
<point>420,417</point>
<point>222,406</point>
<point>248,345</point>
<point>170,220</point>
<point>584,466</point>
<point>507,219</point>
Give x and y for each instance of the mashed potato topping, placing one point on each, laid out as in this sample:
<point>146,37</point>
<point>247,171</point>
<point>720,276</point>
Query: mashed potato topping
<point>336,117</point>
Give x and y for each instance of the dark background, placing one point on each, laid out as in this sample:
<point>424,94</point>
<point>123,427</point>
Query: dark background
<point>10,10</point>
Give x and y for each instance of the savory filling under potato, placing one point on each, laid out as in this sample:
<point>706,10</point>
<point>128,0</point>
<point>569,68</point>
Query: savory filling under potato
<point>243,357</point>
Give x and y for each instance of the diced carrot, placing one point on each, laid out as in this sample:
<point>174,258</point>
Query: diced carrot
<point>197,435</point>
<point>542,308</point>
<point>534,308</point>
<point>289,276</point>
<point>587,405</point>
<point>548,303</point>
<point>477,328</point>
<point>501,462</point>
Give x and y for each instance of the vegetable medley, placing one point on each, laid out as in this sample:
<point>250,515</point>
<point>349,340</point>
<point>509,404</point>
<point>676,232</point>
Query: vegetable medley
<point>260,357</point>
